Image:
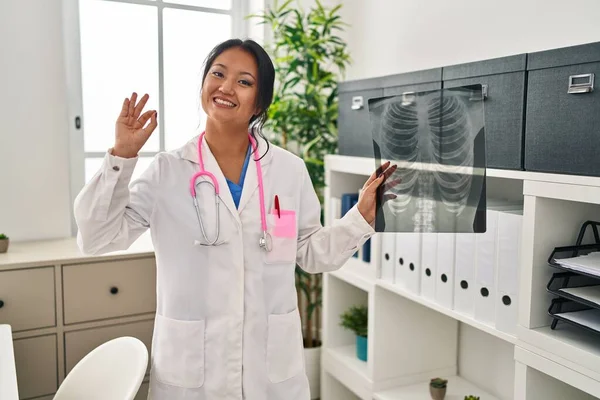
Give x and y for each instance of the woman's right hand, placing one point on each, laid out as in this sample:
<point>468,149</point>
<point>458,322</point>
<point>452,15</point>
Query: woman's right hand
<point>131,131</point>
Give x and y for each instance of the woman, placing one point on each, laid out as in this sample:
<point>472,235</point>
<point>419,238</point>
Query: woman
<point>227,324</point>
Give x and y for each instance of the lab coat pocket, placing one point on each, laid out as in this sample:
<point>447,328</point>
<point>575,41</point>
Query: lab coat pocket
<point>179,352</point>
<point>283,232</point>
<point>284,347</point>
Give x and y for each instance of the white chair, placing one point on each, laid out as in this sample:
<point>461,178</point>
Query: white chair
<point>112,371</point>
<point>8,373</point>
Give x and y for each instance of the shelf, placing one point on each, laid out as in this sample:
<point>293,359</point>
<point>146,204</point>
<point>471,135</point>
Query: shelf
<point>571,380</point>
<point>366,166</point>
<point>567,345</point>
<point>581,193</point>
<point>451,313</point>
<point>357,273</point>
<point>342,364</point>
<point>457,389</point>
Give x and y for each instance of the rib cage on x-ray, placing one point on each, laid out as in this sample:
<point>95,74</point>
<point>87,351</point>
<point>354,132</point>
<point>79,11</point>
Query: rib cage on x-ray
<point>436,130</point>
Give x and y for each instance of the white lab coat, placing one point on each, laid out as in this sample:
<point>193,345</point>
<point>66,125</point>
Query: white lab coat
<point>227,324</point>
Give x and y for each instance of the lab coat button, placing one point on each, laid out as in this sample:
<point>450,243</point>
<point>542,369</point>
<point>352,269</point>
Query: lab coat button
<point>116,168</point>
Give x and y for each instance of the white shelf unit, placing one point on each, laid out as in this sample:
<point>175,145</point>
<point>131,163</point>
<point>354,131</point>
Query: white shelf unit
<point>412,338</point>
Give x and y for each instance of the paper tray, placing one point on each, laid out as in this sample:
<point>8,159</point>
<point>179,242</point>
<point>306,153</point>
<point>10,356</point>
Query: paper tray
<point>576,314</point>
<point>576,287</point>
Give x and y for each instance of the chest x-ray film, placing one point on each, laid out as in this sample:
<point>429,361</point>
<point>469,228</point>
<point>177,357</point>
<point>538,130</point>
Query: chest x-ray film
<point>437,140</point>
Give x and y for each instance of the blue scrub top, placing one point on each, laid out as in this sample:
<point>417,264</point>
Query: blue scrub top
<point>235,189</point>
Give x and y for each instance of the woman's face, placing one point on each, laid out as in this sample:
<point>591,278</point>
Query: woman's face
<point>230,87</point>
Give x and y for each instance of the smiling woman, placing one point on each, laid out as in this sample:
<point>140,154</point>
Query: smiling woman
<point>225,266</point>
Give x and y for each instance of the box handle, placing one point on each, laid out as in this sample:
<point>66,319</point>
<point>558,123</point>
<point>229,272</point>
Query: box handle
<point>584,84</point>
<point>408,98</point>
<point>484,94</point>
<point>357,102</point>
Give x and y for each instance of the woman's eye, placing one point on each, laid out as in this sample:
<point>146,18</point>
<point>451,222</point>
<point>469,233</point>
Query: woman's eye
<point>218,74</point>
<point>245,82</point>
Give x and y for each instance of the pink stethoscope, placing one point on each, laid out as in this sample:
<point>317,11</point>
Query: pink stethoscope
<point>265,241</point>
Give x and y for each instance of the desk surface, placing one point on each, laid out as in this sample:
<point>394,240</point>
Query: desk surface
<point>49,252</point>
<point>8,373</point>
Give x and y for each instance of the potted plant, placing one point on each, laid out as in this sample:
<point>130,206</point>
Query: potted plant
<point>470,397</point>
<point>310,59</point>
<point>4,241</point>
<point>437,388</point>
<point>356,319</point>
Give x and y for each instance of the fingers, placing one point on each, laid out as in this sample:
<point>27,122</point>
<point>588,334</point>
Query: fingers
<point>140,106</point>
<point>131,107</point>
<point>153,123</point>
<point>145,117</point>
<point>375,174</point>
<point>391,184</point>
<point>125,108</point>
<point>388,172</point>
<point>374,184</point>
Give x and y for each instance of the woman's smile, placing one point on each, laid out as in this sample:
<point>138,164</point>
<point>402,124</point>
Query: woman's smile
<point>221,102</point>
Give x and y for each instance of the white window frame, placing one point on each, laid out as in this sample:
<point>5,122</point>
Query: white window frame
<point>72,43</point>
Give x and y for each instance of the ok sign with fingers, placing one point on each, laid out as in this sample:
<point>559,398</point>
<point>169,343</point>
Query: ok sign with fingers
<point>132,130</point>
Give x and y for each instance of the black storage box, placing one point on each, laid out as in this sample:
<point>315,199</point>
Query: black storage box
<point>562,133</point>
<point>503,81</point>
<point>354,127</point>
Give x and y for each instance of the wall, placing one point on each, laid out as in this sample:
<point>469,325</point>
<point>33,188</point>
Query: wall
<point>38,100</point>
<point>34,139</point>
<point>392,36</point>
<point>386,37</point>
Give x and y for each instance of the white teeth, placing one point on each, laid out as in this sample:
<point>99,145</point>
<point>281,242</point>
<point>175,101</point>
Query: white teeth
<point>224,102</point>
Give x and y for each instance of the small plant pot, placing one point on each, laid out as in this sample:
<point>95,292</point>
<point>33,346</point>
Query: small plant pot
<point>437,393</point>
<point>4,245</point>
<point>361,348</point>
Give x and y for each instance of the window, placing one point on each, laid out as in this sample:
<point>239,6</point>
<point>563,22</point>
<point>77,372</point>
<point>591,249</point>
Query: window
<point>147,46</point>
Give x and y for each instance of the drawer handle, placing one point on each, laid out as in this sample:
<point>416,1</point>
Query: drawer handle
<point>114,290</point>
<point>357,102</point>
<point>583,83</point>
<point>1,304</point>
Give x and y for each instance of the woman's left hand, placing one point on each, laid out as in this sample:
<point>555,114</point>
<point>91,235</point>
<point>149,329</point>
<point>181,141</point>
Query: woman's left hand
<point>368,197</point>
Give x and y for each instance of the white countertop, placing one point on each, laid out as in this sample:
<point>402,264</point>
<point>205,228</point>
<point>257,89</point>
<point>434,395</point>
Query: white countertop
<point>50,252</point>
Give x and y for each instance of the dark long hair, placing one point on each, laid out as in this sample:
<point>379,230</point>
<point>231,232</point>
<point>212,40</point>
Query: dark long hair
<point>266,80</point>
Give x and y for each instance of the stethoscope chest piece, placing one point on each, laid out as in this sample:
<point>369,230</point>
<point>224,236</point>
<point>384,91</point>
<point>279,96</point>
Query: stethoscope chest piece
<point>266,242</point>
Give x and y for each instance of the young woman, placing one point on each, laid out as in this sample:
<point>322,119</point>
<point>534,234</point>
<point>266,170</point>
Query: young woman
<point>230,216</point>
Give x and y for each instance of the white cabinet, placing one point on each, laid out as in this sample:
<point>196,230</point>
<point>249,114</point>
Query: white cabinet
<point>61,305</point>
<point>414,336</point>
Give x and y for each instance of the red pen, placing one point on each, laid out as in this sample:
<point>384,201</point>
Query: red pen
<point>277,206</point>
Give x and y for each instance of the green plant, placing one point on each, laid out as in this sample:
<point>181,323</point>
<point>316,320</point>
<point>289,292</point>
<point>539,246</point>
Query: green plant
<point>470,397</point>
<point>356,319</point>
<point>309,58</point>
<point>3,236</point>
<point>438,383</point>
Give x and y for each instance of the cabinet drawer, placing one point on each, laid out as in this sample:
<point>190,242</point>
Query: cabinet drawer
<point>36,364</point>
<point>79,343</point>
<point>504,105</point>
<point>109,289</point>
<point>27,298</point>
